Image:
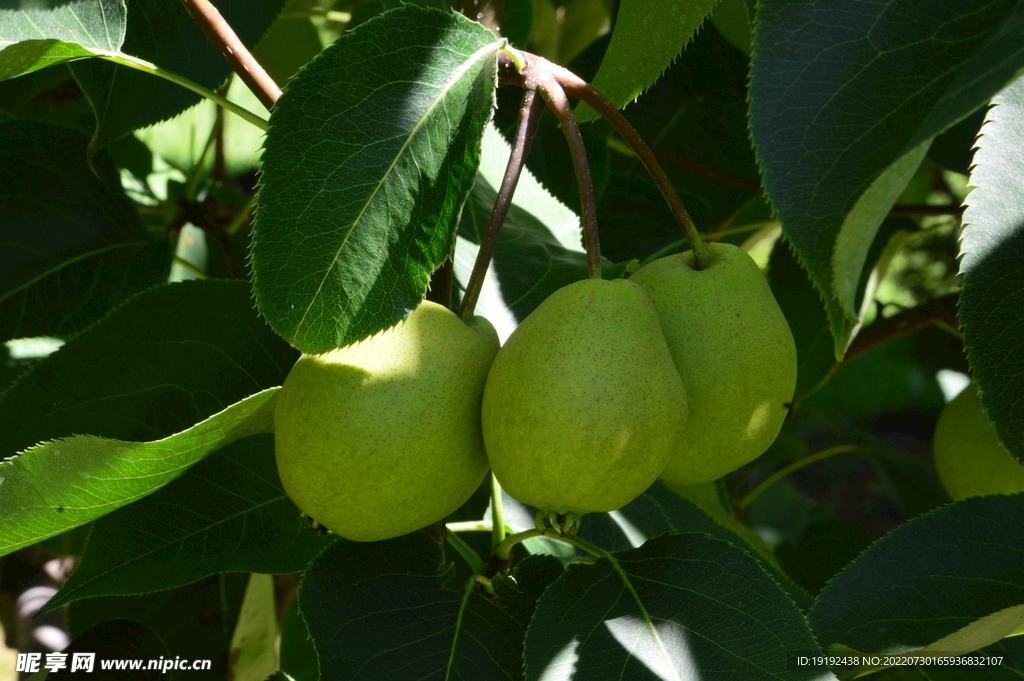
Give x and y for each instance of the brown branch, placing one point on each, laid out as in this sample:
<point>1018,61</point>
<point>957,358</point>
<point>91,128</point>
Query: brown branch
<point>223,37</point>
<point>941,310</point>
<point>909,210</point>
<point>701,169</point>
<point>529,119</point>
<point>900,210</point>
<point>578,87</point>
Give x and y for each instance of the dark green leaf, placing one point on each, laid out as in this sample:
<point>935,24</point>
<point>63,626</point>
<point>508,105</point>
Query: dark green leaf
<point>697,508</point>
<point>520,591</point>
<point>163,33</point>
<point>298,655</point>
<point>1009,665</point>
<point>680,607</point>
<point>804,309</point>
<point>992,245</point>
<point>58,485</point>
<point>52,32</point>
<point>163,361</point>
<point>389,610</point>
<point>648,36</point>
<point>954,149</point>
<point>845,96</point>
<point>732,20</point>
<point>195,621</point>
<point>823,549</point>
<point>371,153</point>
<point>698,113</point>
<point>919,587</point>
<point>57,213</point>
<point>228,513</point>
<point>118,639</point>
<point>68,300</point>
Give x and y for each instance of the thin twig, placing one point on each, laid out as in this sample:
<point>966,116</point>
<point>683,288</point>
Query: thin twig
<point>578,87</point>
<point>529,119</point>
<point>939,312</point>
<point>224,38</point>
<point>796,465</point>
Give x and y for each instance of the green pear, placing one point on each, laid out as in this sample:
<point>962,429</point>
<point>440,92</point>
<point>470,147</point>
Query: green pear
<point>382,437</point>
<point>734,352</point>
<point>969,458</point>
<point>583,406</point>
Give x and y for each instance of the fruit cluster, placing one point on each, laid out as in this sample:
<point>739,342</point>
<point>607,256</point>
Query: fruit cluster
<point>677,373</point>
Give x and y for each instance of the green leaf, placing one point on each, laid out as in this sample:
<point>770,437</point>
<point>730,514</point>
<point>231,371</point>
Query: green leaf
<point>59,218</point>
<point>371,153</point>
<point>58,485</point>
<point>194,622</point>
<point>298,655</point>
<point>845,97</point>
<point>1008,658</point>
<point>228,513</point>
<point>992,263</point>
<point>70,299</point>
<point>648,35</point>
<point>163,33</point>
<point>520,590</point>
<point>823,548</point>
<point>165,360</point>
<point>540,248</point>
<point>52,32</point>
<point>389,610</point>
<point>254,641</point>
<point>680,607</point>
<point>699,508</point>
<point>804,309</point>
<point>943,581</point>
<point>112,640</point>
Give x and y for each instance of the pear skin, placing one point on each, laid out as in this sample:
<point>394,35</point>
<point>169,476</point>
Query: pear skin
<point>735,354</point>
<point>969,458</point>
<point>382,437</point>
<point>583,405</point>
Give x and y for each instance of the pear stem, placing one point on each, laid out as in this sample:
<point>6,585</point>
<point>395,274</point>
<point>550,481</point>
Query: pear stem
<point>580,88</point>
<point>497,514</point>
<point>476,563</point>
<point>538,75</point>
<point>529,119</point>
<point>796,465</point>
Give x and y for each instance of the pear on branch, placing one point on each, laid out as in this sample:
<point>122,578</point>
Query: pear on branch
<point>969,458</point>
<point>382,437</point>
<point>583,406</point>
<point>735,354</point>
